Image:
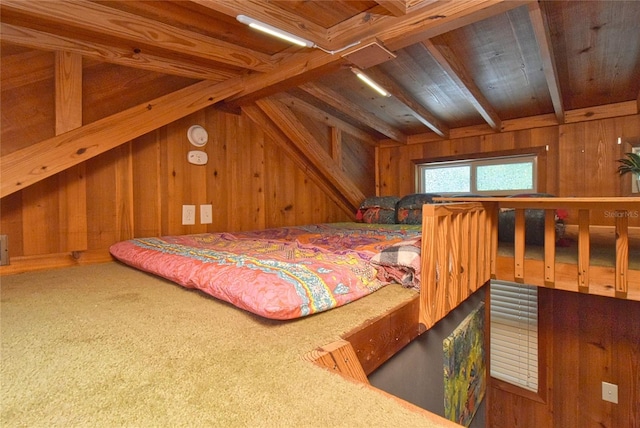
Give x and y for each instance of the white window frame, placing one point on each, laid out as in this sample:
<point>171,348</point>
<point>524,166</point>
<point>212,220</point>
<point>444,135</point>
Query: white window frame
<point>514,354</point>
<point>474,164</point>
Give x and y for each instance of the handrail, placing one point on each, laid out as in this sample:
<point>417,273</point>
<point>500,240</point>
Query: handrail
<point>616,281</point>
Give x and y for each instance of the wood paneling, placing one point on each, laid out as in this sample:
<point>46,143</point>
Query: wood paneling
<point>109,88</point>
<point>591,339</point>
<point>580,160</point>
<point>147,185</point>
<point>138,188</point>
<point>27,93</point>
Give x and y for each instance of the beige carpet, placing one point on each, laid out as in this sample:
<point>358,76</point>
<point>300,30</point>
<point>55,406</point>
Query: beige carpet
<point>108,346</point>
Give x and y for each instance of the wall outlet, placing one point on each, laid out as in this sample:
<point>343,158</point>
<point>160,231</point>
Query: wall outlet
<point>610,392</point>
<point>206,214</point>
<point>188,214</point>
<point>4,250</point>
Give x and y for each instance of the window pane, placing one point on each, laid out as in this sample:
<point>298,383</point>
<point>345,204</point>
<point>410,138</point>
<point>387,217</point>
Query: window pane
<point>447,180</point>
<point>508,176</point>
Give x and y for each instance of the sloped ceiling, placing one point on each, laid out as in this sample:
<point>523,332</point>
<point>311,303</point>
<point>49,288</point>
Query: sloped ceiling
<point>450,65</point>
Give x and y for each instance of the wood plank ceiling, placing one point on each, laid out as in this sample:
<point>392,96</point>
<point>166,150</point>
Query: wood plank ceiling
<point>450,66</point>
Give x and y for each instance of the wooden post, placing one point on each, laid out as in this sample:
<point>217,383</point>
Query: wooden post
<point>622,253</point>
<point>549,248</point>
<point>583,250</point>
<point>519,245</point>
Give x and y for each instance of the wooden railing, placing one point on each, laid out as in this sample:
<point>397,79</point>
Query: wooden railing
<point>456,255</point>
<point>617,280</point>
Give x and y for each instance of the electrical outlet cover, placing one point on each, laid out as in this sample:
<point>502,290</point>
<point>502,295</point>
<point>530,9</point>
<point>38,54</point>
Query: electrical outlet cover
<point>4,250</point>
<point>188,214</point>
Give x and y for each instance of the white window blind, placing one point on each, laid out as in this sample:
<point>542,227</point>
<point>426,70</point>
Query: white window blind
<point>514,334</point>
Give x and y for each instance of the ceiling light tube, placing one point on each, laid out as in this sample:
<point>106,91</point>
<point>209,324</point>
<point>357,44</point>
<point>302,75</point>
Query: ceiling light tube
<point>366,79</point>
<point>273,31</point>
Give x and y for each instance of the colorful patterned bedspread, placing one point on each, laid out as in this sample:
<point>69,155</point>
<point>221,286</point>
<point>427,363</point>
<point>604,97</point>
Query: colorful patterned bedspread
<point>282,273</point>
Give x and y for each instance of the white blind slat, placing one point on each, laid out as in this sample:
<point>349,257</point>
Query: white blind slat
<point>514,334</point>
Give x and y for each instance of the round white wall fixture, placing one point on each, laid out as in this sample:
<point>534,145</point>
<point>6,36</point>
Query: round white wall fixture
<point>197,135</point>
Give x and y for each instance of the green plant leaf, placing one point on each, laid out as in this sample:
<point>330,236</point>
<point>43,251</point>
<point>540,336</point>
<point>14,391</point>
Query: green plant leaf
<point>629,165</point>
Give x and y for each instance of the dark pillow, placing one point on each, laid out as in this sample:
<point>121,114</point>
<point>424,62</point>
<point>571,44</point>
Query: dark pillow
<point>409,208</point>
<point>378,209</point>
<point>533,221</point>
<point>387,202</point>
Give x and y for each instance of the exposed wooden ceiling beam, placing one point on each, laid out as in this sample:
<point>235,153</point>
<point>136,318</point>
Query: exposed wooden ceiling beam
<point>305,141</point>
<point>324,117</point>
<point>269,13</point>
<point>418,111</point>
<point>461,76</point>
<point>627,108</point>
<point>46,158</point>
<point>289,73</point>
<point>348,107</point>
<point>395,7</point>
<point>426,22</point>
<point>298,69</point>
<point>94,18</point>
<point>543,36</point>
<point>45,41</point>
<point>402,7</point>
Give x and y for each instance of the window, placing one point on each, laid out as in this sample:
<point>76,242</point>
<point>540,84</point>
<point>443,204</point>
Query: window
<point>514,334</point>
<point>489,176</point>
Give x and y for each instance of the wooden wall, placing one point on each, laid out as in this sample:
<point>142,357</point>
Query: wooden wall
<point>587,340</point>
<point>137,189</point>
<point>580,161</point>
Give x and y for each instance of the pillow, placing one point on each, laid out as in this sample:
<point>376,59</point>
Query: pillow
<point>378,209</point>
<point>386,202</point>
<point>377,215</point>
<point>409,208</point>
<point>534,222</point>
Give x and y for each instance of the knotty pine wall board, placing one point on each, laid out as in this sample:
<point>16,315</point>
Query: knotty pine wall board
<point>581,160</point>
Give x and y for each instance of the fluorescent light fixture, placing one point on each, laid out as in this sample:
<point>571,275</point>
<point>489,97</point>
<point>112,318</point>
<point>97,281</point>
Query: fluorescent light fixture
<point>366,79</point>
<point>273,31</point>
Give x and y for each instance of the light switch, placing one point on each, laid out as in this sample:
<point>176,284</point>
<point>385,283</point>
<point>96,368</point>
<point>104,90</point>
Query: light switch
<point>206,214</point>
<point>610,392</point>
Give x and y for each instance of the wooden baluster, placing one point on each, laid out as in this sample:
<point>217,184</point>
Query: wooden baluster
<point>462,267</point>
<point>492,235</point>
<point>583,251</point>
<point>443,254</point>
<point>474,257</point>
<point>550,248</point>
<point>622,253</point>
<point>453,261</point>
<point>519,245</point>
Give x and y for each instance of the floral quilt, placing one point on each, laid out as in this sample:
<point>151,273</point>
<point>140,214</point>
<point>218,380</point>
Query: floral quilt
<point>281,273</point>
